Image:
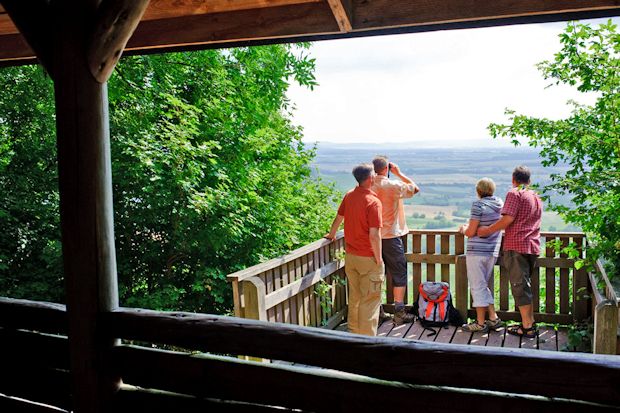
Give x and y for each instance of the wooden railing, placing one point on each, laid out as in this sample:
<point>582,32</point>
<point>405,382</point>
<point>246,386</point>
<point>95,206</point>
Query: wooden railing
<point>284,289</point>
<point>606,310</point>
<point>558,289</point>
<point>387,373</point>
<point>205,371</point>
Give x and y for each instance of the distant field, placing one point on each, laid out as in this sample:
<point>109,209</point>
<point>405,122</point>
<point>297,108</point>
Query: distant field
<point>430,210</point>
<point>551,221</point>
<point>446,176</point>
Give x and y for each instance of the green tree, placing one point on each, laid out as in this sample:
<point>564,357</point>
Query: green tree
<point>209,174</point>
<point>588,141</point>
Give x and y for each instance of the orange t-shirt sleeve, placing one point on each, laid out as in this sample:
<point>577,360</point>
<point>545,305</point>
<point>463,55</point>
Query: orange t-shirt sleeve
<point>341,207</point>
<point>374,215</point>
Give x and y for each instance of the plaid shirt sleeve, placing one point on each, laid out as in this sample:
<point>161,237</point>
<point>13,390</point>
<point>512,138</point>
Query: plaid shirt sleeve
<point>511,206</point>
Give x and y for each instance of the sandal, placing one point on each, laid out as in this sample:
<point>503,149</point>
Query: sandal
<point>519,330</point>
<point>475,327</point>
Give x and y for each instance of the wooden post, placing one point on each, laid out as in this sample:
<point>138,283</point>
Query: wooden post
<point>580,302</point>
<point>605,327</point>
<point>86,213</point>
<point>461,286</point>
<point>254,293</point>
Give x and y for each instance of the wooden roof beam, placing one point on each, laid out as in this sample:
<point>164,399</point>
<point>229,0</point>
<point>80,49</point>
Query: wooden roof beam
<point>342,13</point>
<point>166,9</point>
<point>306,20</point>
<point>33,20</point>
<point>116,22</point>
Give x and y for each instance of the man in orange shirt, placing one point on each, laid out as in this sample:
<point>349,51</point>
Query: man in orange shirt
<point>360,210</point>
<point>391,193</point>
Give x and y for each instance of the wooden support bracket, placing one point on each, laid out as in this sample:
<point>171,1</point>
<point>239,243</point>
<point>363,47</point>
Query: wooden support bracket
<point>32,18</point>
<point>116,22</point>
<point>342,13</point>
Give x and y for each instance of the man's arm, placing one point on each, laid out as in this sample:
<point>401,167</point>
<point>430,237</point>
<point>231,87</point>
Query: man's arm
<point>375,243</point>
<point>503,223</point>
<point>396,171</point>
<point>335,225</point>
<point>469,230</point>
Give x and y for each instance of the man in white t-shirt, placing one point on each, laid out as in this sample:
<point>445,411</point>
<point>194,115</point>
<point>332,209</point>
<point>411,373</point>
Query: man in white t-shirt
<point>391,193</point>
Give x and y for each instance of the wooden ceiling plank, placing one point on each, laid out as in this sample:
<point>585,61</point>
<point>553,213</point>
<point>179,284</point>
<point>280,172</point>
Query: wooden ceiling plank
<point>315,21</point>
<point>342,13</point>
<point>6,24</point>
<point>116,21</point>
<point>266,23</point>
<point>389,13</point>
<point>162,9</point>
<point>33,20</point>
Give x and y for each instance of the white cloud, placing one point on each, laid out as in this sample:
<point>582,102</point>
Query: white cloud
<point>442,86</point>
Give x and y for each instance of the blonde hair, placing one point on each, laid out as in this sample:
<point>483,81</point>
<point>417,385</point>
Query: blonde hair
<point>485,187</point>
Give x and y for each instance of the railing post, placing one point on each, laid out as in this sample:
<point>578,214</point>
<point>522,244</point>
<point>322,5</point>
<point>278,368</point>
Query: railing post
<point>605,327</point>
<point>254,293</point>
<point>461,286</point>
<point>238,308</point>
<point>580,302</point>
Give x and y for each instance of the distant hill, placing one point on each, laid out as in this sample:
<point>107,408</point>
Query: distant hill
<point>446,176</point>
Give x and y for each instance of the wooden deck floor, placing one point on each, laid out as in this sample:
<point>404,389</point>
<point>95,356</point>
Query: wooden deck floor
<point>548,338</point>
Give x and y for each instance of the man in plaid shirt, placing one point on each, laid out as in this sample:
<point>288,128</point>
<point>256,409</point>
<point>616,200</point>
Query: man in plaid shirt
<point>521,216</point>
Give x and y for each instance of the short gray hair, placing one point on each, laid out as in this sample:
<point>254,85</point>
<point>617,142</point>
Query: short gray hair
<point>522,174</point>
<point>380,162</point>
<point>362,172</point>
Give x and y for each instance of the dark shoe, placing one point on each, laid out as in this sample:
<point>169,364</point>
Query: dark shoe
<point>383,316</point>
<point>494,324</point>
<point>402,317</point>
<point>519,330</point>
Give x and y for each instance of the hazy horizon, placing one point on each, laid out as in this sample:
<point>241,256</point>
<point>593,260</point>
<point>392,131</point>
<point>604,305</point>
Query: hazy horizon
<point>431,88</point>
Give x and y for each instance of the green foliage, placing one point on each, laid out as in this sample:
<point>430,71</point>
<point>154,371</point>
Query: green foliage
<point>580,337</point>
<point>588,141</point>
<point>324,291</point>
<point>30,263</point>
<point>209,175</point>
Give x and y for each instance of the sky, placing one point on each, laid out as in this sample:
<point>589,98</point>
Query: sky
<point>431,89</point>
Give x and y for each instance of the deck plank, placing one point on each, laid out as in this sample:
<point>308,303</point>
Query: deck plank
<point>461,336</point>
<point>547,339</point>
<point>530,343</point>
<point>415,331</point>
<point>385,328</point>
<point>445,335</point>
<point>562,335</point>
<point>496,338</point>
<point>428,335</point>
<point>399,331</point>
<point>511,341</point>
<point>479,339</point>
